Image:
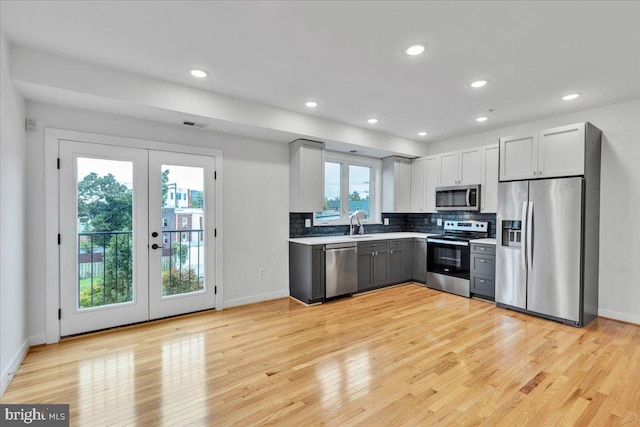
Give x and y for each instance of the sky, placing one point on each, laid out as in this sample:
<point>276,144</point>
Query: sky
<point>184,176</point>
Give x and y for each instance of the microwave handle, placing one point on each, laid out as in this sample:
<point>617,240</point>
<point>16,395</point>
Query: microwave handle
<point>468,197</point>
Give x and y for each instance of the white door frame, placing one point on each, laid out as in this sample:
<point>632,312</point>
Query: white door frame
<point>52,206</point>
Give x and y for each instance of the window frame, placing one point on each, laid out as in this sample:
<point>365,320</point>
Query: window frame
<point>375,190</point>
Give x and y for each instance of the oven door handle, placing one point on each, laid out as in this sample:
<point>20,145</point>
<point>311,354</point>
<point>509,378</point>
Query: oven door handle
<point>468,197</point>
<point>448,242</point>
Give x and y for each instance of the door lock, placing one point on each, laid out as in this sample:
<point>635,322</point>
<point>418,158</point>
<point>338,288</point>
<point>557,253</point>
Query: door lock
<point>154,234</point>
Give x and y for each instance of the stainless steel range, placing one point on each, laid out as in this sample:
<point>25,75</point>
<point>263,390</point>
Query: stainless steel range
<point>448,256</point>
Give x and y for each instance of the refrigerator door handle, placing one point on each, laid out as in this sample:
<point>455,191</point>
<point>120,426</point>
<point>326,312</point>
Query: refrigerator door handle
<point>530,237</point>
<point>523,247</point>
<point>468,197</point>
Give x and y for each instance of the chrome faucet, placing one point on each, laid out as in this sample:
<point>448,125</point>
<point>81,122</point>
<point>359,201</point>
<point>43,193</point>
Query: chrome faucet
<point>359,216</point>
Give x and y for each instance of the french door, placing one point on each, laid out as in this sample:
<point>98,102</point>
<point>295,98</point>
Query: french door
<point>137,235</point>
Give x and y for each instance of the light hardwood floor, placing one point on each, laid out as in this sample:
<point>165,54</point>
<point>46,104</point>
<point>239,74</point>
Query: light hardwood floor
<point>405,355</point>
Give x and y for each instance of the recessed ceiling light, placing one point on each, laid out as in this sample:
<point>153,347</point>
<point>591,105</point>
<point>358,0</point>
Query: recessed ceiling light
<point>414,50</point>
<point>570,96</point>
<point>311,104</point>
<point>423,133</point>
<point>482,119</point>
<point>201,74</point>
<point>479,83</point>
<point>373,121</point>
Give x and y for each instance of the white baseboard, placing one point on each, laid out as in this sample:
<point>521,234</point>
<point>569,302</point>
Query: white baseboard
<point>616,315</point>
<point>256,298</point>
<point>37,340</point>
<point>13,367</point>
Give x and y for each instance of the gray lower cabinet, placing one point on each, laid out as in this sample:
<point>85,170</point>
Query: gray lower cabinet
<point>373,264</point>
<point>408,260</point>
<point>483,271</point>
<point>306,272</point>
<point>420,260</point>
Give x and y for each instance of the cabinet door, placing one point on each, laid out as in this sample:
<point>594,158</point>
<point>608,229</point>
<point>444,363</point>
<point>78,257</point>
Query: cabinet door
<point>381,268</point>
<point>396,266</point>
<point>470,166</point>
<point>306,186</point>
<point>518,157</point>
<point>417,185</point>
<point>448,169</point>
<point>561,151</point>
<point>317,273</point>
<point>365,271</point>
<point>431,165</point>
<point>408,260</point>
<point>404,192</point>
<point>489,184</point>
<point>420,260</point>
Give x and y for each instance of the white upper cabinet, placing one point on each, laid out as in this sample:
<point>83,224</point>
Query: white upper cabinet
<point>489,184</point>
<point>431,165</point>
<point>518,157</point>
<point>448,171</point>
<point>544,154</point>
<point>561,151</point>
<point>306,176</point>
<point>424,180</point>
<point>417,185</point>
<point>396,184</point>
<point>470,169</point>
<point>463,167</point>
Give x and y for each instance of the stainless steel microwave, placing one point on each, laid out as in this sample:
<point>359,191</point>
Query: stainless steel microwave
<point>458,198</point>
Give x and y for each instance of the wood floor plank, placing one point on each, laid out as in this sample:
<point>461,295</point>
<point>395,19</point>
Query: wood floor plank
<point>405,355</point>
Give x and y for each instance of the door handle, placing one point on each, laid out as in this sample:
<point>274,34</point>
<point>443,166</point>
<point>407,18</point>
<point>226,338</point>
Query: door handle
<point>530,237</point>
<point>468,197</point>
<point>155,246</point>
<point>523,248</point>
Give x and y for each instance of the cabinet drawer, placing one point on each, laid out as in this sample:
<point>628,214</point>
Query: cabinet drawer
<point>483,265</point>
<point>396,244</point>
<point>479,248</point>
<point>483,286</point>
<point>376,245</point>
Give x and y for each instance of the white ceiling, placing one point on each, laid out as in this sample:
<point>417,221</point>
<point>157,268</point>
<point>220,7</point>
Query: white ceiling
<point>349,55</point>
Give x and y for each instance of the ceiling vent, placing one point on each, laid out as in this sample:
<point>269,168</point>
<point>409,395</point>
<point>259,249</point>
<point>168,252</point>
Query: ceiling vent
<point>194,124</point>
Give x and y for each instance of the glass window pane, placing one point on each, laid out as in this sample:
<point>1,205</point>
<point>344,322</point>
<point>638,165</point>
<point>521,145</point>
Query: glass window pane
<point>332,185</point>
<point>105,239</point>
<point>183,251</point>
<point>360,189</point>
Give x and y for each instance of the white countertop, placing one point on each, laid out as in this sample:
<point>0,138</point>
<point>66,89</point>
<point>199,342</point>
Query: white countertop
<point>322,240</point>
<point>484,241</point>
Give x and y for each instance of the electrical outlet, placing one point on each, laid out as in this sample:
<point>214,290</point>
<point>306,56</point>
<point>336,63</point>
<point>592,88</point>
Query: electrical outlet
<point>386,221</point>
<point>307,223</point>
<point>439,221</point>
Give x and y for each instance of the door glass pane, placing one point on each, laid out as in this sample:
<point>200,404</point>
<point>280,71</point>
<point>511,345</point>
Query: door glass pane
<point>183,255</point>
<point>105,240</point>
<point>332,186</point>
<point>359,189</point>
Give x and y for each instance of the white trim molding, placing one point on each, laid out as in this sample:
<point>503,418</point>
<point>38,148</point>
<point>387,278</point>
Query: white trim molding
<point>257,298</point>
<point>52,219</point>
<point>13,366</point>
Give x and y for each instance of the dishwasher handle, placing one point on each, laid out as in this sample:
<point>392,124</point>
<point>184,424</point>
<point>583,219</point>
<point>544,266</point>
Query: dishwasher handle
<point>347,245</point>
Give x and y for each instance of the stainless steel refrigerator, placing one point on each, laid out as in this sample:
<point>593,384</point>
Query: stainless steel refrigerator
<point>547,247</point>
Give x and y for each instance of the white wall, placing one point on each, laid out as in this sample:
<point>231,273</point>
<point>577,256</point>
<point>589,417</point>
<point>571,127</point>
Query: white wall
<point>619,199</point>
<point>13,325</point>
<point>256,201</point>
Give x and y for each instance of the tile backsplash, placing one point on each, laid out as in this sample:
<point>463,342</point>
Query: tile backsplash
<point>398,222</point>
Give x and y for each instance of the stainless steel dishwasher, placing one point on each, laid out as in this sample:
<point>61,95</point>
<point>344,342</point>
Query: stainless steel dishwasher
<point>341,269</point>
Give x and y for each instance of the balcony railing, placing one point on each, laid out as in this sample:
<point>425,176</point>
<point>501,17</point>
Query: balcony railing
<point>105,265</point>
